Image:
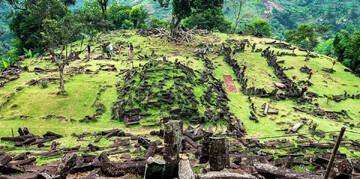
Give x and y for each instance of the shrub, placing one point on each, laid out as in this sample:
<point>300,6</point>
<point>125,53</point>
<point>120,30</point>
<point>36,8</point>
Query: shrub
<point>44,84</point>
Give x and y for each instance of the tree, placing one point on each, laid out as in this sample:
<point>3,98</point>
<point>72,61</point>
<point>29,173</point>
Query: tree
<point>238,6</point>
<point>26,24</point>
<point>352,51</point>
<point>58,35</point>
<point>103,4</point>
<point>259,26</point>
<point>90,18</point>
<point>127,24</point>
<point>138,15</point>
<point>346,48</point>
<point>117,14</point>
<point>305,37</point>
<point>157,23</point>
<point>182,9</point>
<point>340,43</point>
<point>210,19</point>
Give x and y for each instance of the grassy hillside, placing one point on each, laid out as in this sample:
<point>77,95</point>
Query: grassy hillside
<point>40,109</point>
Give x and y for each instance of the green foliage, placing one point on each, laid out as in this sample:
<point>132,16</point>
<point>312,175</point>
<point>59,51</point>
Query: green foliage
<point>138,15</point>
<point>44,84</point>
<point>346,48</point>
<point>157,23</point>
<point>91,18</point>
<point>302,168</point>
<point>325,47</point>
<point>335,14</point>
<point>305,37</point>
<point>182,9</point>
<point>9,58</point>
<point>117,14</point>
<point>26,25</point>
<point>340,42</point>
<point>5,62</point>
<point>29,54</point>
<point>259,26</point>
<point>127,24</point>
<point>210,19</point>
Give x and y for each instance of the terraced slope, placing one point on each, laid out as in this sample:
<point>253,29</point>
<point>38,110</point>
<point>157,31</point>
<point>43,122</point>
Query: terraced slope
<point>167,80</point>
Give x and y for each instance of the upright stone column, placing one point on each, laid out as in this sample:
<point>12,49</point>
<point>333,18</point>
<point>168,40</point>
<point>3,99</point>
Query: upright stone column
<point>219,153</point>
<point>172,140</point>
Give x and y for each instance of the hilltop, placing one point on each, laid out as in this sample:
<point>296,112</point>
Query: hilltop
<point>202,82</point>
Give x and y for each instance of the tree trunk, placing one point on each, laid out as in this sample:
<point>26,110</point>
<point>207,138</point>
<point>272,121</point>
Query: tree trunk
<point>61,71</point>
<point>174,27</point>
<point>135,24</point>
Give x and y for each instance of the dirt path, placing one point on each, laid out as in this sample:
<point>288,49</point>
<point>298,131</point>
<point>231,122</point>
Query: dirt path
<point>229,83</point>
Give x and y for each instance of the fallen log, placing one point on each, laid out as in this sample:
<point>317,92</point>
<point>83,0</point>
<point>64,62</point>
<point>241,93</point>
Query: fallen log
<point>50,134</point>
<point>4,159</point>
<point>37,169</point>
<point>270,171</point>
<point>48,154</point>
<point>191,142</point>
<point>98,138</point>
<point>22,176</point>
<point>17,138</point>
<point>26,142</point>
<point>271,111</point>
<point>42,141</point>
<point>23,162</point>
<point>296,127</point>
<point>266,109</point>
<point>225,175</point>
<point>10,169</point>
<point>112,133</point>
<point>151,150</point>
<point>67,162</point>
<point>112,169</point>
<point>309,122</point>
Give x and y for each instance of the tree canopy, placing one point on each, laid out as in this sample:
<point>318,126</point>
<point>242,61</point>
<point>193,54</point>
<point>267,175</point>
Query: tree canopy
<point>259,26</point>
<point>304,37</point>
<point>182,9</point>
<point>138,15</point>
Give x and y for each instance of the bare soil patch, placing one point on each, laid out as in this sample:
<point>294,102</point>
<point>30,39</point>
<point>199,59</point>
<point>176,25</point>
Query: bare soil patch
<point>229,83</point>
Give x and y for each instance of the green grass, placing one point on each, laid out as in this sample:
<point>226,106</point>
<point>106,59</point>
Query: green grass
<point>302,168</point>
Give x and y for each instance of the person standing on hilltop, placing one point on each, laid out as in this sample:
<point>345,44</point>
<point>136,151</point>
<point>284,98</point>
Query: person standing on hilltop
<point>131,49</point>
<point>111,49</point>
<point>119,50</point>
<point>108,50</point>
<point>89,51</point>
